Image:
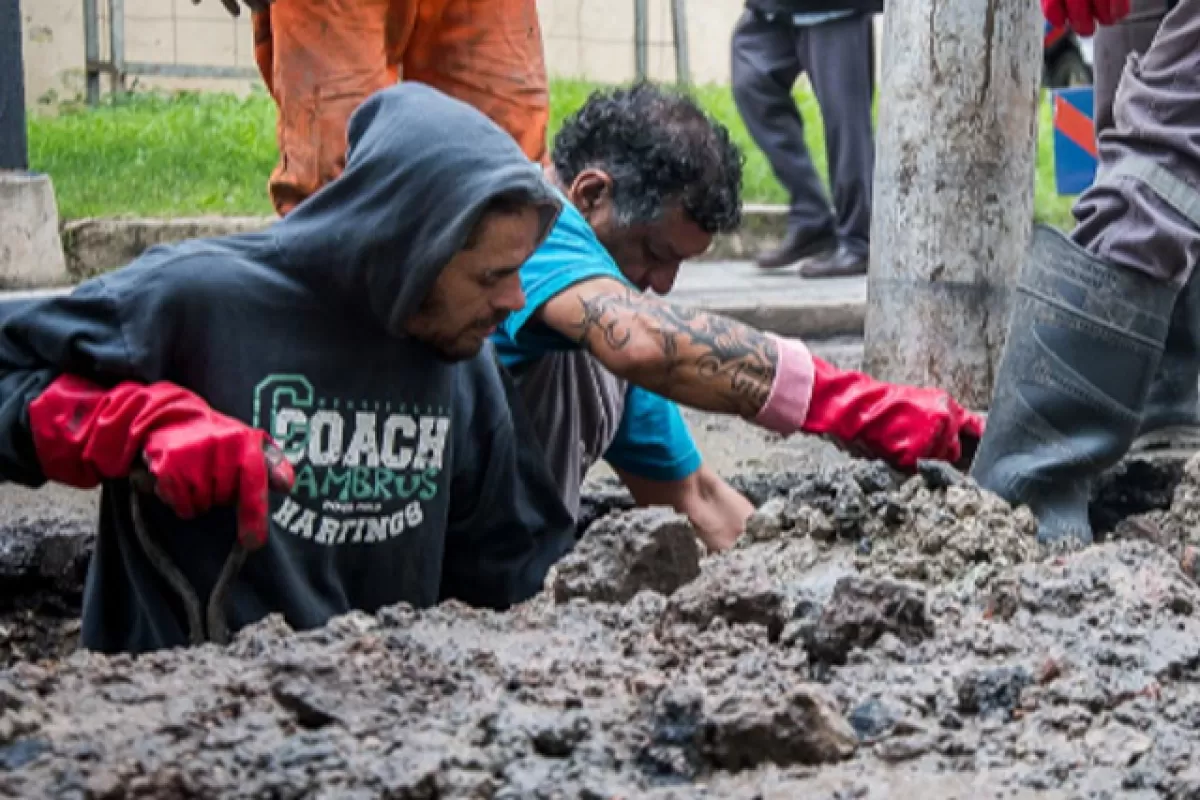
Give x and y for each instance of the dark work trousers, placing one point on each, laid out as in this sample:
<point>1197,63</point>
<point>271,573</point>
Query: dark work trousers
<point>1143,210</point>
<point>1113,46</point>
<point>838,57</point>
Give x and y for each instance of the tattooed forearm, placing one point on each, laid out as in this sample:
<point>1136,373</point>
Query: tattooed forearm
<point>701,359</point>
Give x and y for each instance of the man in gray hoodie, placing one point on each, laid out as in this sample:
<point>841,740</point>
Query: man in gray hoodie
<point>352,336</point>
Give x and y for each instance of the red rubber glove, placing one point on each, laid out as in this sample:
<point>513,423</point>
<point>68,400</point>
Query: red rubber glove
<point>899,424</point>
<point>84,434</point>
<point>1082,15</point>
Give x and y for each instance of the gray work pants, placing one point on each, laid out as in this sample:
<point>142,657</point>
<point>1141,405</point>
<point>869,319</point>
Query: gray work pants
<point>768,56</point>
<point>1113,46</point>
<point>1143,210</point>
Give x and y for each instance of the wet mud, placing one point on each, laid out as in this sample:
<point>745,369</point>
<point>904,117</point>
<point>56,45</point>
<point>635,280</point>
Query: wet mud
<point>43,565</point>
<point>872,635</point>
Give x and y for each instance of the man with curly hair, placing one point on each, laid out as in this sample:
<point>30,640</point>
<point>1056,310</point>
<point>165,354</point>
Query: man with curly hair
<point>649,178</point>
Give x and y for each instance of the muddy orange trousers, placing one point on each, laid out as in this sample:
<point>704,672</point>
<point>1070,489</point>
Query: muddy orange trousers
<point>321,58</point>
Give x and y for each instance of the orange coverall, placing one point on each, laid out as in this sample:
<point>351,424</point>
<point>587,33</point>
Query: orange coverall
<point>321,58</point>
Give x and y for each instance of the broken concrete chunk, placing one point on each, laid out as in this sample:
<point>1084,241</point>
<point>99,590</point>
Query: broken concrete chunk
<point>991,691</point>
<point>626,553</point>
<point>744,597</point>
<point>1116,745</point>
<point>768,522</point>
<point>45,554</point>
<point>861,610</point>
<point>873,718</point>
<point>743,730</point>
<point>600,499</point>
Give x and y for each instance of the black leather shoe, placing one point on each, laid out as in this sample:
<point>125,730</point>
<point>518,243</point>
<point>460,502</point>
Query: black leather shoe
<point>797,246</point>
<point>840,263</point>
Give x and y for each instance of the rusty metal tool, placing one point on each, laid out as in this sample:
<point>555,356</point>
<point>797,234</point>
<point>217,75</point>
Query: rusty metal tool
<point>233,8</point>
<point>198,615</point>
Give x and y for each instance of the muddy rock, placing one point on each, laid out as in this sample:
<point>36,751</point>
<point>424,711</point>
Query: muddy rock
<point>803,726</point>
<point>1117,745</point>
<point>1134,486</point>
<point>875,718</point>
<point>43,564</point>
<point>746,595</point>
<point>599,499</point>
<point>1175,525</point>
<point>932,527</point>
<point>623,554</point>
<point>945,533</point>
<point>990,691</point>
<point>38,555</point>
<point>861,611</point>
<point>875,637</point>
<point>761,486</point>
<point>768,522</point>
<point>39,625</point>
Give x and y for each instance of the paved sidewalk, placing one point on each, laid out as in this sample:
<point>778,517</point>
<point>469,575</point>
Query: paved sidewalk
<point>777,301</point>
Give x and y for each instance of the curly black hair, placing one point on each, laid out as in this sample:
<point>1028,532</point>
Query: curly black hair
<point>658,146</point>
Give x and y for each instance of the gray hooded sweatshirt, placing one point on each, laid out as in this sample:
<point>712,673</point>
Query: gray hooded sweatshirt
<point>417,479</point>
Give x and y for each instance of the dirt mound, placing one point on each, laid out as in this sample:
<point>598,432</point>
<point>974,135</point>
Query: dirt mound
<point>43,563</point>
<point>872,636</point>
<point>932,527</point>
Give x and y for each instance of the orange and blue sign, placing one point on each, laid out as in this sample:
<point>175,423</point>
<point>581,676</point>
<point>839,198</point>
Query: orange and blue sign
<point>1074,139</point>
<point>1052,35</point>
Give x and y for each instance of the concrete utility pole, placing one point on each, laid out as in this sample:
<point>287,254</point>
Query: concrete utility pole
<point>954,180</point>
<point>13,150</point>
<point>31,252</point>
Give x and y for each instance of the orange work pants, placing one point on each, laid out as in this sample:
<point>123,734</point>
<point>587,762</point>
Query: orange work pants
<point>321,58</point>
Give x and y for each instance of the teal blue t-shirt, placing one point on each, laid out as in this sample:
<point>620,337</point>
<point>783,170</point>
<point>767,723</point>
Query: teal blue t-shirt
<point>652,440</point>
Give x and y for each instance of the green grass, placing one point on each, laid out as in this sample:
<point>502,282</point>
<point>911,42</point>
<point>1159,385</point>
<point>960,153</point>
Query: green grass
<point>189,154</point>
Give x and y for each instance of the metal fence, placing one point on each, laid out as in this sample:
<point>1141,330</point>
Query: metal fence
<point>106,23</point>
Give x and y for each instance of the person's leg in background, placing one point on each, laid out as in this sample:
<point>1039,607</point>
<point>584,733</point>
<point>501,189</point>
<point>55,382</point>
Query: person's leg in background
<point>1091,312</point>
<point>488,53</point>
<point>838,56</point>
<point>1171,418</point>
<point>320,59</point>
<point>765,65</point>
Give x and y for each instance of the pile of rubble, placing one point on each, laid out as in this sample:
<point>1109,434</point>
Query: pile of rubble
<point>871,636</point>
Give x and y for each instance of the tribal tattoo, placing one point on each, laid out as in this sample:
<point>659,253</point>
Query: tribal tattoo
<point>735,362</point>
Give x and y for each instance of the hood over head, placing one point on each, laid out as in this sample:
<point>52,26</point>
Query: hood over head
<point>420,170</point>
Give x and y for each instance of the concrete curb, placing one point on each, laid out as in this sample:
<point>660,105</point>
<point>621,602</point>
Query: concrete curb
<point>763,226</point>
<point>815,320</point>
<point>31,253</point>
<point>96,245</point>
<point>803,320</point>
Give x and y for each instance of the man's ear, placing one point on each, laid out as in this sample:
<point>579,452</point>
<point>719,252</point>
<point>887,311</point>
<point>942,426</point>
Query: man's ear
<point>591,192</point>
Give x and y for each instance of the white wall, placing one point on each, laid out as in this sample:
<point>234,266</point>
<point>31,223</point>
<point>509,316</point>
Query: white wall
<point>590,39</point>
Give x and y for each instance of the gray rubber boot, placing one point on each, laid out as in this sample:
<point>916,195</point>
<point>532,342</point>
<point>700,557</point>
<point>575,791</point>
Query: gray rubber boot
<point>1083,344</point>
<point>1171,420</point>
